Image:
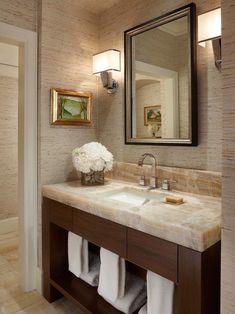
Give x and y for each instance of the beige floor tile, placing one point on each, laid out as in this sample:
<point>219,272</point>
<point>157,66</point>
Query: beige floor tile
<point>14,300</point>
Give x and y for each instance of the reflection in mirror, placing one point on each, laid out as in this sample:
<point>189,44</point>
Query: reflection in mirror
<point>158,102</point>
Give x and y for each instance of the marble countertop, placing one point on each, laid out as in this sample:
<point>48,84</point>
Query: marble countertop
<point>196,224</point>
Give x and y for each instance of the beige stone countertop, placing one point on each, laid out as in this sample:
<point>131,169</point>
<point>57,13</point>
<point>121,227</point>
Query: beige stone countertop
<point>196,224</point>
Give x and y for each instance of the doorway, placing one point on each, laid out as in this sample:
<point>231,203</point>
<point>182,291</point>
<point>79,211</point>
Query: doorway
<point>26,44</point>
<point>8,146</point>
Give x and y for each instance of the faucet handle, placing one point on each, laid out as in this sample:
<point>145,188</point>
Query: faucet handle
<point>166,184</point>
<point>142,179</point>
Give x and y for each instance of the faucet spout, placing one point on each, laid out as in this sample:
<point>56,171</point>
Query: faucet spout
<point>153,180</point>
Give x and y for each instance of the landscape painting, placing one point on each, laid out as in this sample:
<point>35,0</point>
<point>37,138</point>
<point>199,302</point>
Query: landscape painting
<point>152,114</point>
<point>70,107</point>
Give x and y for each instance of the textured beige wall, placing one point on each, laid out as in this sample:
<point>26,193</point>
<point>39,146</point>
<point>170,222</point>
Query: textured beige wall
<point>111,109</point>
<point>68,38</point>
<point>228,204</point>
<point>8,147</point>
<point>20,13</point>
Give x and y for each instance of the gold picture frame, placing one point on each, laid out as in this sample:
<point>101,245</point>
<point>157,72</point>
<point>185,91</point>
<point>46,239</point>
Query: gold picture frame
<point>152,114</point>
<point>69,107</point>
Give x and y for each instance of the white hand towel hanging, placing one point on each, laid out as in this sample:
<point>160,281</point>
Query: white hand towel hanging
<point>112,275</point>
<point>160,293</point>
<point>75,254</point>
<point>143,310</point>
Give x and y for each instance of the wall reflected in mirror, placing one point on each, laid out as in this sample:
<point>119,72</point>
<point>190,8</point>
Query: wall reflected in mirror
<point>159,78</point>
<point>161,81</point>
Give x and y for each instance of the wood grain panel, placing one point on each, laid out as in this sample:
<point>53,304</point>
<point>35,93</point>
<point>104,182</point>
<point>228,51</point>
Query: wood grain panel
<point>228,272</point>
<point>85,296</point>
<point>60,214</point>
<point>198,290</point>
<point>152,253</point>
<point>101,232</point>
<point>49,292</point>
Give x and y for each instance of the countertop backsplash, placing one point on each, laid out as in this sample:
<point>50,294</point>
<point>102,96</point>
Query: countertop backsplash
<point>186,180</point>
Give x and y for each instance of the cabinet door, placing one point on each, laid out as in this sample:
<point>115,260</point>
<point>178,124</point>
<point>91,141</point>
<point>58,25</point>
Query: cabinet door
<point>100,231</point>
<point>152,253</point>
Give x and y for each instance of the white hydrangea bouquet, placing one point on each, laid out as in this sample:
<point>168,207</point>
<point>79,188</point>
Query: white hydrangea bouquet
<point>92,160</point>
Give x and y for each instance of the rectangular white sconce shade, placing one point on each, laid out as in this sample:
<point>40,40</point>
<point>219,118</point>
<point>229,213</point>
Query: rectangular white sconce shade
<point>209,25</point>
<point>108,60</point>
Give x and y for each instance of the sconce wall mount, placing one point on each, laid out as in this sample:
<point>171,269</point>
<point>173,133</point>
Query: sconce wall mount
<point>104,63</point>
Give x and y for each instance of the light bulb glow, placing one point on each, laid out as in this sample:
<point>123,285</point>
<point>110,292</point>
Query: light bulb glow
<point>108,60</point>
<point>209,25</point>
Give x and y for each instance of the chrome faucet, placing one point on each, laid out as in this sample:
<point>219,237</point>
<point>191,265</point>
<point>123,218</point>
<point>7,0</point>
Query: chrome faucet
<point>153,179</point>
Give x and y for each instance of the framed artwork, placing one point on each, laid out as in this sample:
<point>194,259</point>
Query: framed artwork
<point>70,107</point>
<point>152,114</point>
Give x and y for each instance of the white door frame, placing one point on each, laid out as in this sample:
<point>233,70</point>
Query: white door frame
<point>27,42</point>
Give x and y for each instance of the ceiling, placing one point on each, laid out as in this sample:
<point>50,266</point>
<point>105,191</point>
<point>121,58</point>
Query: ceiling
<point>97,6</point>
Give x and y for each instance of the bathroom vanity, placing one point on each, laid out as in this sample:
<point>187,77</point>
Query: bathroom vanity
<point>180,243</point>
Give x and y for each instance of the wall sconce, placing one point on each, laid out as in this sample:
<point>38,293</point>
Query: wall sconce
<point>209,28</point>
<point>104,63</point>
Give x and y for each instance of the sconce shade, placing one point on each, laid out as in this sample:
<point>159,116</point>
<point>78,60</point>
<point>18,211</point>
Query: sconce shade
<point>209,25</point>
<point>108,60</point>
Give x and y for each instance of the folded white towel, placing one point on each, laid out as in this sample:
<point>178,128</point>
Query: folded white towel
<point>112,275</point>
<point>160,294</point>
<point>92,277</point>
<point>143,310</point>
<point>75,253</point>
<point>135,295</point>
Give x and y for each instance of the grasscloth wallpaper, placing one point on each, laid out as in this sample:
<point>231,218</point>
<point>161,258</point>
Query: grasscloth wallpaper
<point>20,13</point>
<point>111,109</point>
<point>228,161</point>
<point>68,37</point>
<point>8,147</point>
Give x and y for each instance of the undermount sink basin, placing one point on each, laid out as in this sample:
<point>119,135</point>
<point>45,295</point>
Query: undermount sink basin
<point>131,196</point>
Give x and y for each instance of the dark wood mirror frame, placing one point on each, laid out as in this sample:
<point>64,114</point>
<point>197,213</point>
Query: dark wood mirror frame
<point>190,10</point>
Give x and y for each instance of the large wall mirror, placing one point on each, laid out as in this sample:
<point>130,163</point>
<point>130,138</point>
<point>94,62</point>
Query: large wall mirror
<point>160,80</point>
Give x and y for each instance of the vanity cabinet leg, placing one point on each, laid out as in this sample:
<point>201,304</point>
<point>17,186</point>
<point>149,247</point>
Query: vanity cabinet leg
<point>49,292</point>
<point>198,289</point>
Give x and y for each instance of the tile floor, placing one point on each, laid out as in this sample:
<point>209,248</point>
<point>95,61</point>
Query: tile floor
<point>14,300</point>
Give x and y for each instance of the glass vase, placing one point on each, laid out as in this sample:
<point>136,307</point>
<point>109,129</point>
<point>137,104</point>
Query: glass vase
<point>92,178</point>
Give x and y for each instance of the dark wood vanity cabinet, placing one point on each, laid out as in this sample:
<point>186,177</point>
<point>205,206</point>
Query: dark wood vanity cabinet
<point>196,275</point>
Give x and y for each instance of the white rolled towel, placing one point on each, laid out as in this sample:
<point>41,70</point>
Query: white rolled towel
<point>143,310</point>
<point>112,276</point>
<point>92,277</point>
<point>160,293</point>
<point>77,254</point>
<point>135,295</point>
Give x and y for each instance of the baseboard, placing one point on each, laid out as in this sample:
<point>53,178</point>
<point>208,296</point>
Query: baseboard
<point>9,238</point>
<point>39,280</point>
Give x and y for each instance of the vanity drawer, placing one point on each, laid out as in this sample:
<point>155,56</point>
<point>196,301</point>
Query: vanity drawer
<point>100,231</point>
<point>152,253</point>
<point>61,214</point>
